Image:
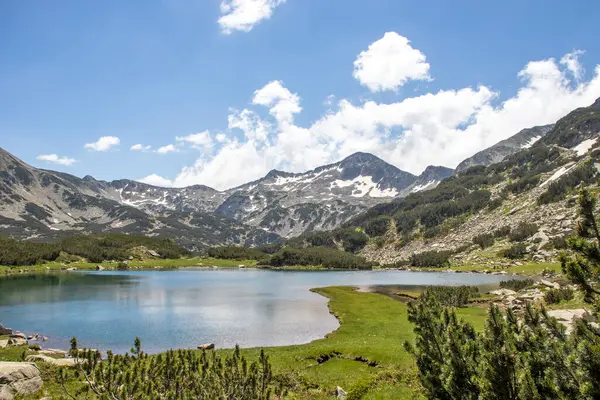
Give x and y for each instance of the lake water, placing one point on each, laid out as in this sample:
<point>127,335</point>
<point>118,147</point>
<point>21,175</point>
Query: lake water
<point>187,307</point>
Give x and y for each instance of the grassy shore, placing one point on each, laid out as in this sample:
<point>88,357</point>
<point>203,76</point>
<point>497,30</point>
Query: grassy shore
<point>365,353</point>
<point>141,264</point>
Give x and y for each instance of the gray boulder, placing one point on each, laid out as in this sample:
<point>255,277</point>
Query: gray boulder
<point>19,379</point>
<point>59,362</point>
<point>5,331</point>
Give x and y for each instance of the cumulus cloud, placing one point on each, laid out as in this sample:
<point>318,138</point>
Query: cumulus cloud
<point>156,180</point>
<point>282,103</point>
<point>389,63</point>
<point>55,159</point>
<point>166,149</point>
<point>243,15</point>
<point>571,61</point>
<point>105,143</point>
<point>140,147</point>
<point>440,128</point>
<point>200,140</point>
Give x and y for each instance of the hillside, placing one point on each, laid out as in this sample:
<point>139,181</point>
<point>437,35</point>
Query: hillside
<point>517,209</point>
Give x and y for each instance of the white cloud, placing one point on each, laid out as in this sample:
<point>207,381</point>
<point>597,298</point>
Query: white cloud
<point>166,149</point>
<point>200,140</point>
<point>389,63</point>
<point>156,180</point>
<point>283,103</point>
<point>55,159</point>
<point>440,128</point>
<point>140,147</point>
<point>105,143</point>
<point>243,15</point>
<point>221,138</point>
<point>571,61</point>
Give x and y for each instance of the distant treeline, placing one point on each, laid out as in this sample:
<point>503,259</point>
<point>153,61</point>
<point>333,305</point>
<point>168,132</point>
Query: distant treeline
<point>278,256</point>
<point>94,248</point>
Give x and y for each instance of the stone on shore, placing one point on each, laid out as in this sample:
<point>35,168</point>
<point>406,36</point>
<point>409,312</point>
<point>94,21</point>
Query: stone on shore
<point>504,292</point>
<point>206,346</point>
<point>19,379</point>
<point>18,335</point>
<point>59,362</point>
<point>17,341</point>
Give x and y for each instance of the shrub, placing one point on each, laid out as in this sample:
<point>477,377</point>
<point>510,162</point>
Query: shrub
<point>353,239</point>
<point>236,253</point>
<point>516,284</point>
<point>431,259</point>
<point>555,296</point>
<point>502,232</point>
<point>522,232</point>
<point>494,204</point>
<point>558,242</point>
<point>318,256</point>
<point>452,296</point>
<point>516,251</point>
<point>484,240</point>
<point>558,189</point>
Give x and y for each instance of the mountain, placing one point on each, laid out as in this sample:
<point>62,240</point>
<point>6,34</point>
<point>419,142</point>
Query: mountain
<point>39,204</point>
<point>429,179</point>
<point>523,206</point>
<point>498,152</point>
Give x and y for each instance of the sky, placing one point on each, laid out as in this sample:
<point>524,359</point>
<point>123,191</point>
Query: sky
<point>219,92</point>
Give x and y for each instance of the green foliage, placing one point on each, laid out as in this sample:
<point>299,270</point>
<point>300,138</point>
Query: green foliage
<point>502,232</point>
<point>555,296</point>
<point>484,240</point>
<point>95,248</point>
<point>452,296</point>
<point>522,232</point>
<point>176,375</point>
<point>557,190</point>
<point>432,258</point>
<point>378,226</point>
<point>16,252</point>
<point>315,256</point>
<point>523,184</point>
<point>236,253</point>
<point>524,358</point>
<point>353,239</point>
<point>516,251</point>
<point>516,284</point>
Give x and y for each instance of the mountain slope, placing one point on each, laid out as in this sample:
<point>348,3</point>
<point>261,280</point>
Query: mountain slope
<point>498,152</point>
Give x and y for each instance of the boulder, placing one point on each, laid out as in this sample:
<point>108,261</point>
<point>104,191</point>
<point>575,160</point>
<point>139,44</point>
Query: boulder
<point>3,343</point>
<point>153,253</point>
<point>553,285</point>
<point>59,362</point>
<point>17,341</point>
<point>503,292</point>
<point>206,346</point>
<point>568,317</point>
<point>18,335</point>
<point>340,393</point>
<point>5,331</point>
<point>19,379</point>
<point>99,268</point>
<point>53,353</point>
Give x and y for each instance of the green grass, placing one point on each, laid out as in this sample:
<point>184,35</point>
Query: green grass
<point>373,328</point>
<point>148,263</point>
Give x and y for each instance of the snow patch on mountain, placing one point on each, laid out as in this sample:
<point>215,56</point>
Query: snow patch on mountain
<point>584,146</point>
<point>428,185</point>
<point>531,142</point>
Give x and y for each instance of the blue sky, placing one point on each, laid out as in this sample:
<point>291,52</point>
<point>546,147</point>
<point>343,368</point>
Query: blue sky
<point>308,81</point>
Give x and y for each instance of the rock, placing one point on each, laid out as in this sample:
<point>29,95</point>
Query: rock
<point>3,343</point>
<point>568,317</point>
<point>18,335</point>
<point>60,362</point>
<point>19,379</point>
<point>45,338</point>
<point>99,268</point>
<point>17,341</point>
<point>206,346</point>
<point>130,258</point>
<point>504,292</point>
<point>153,253</point>
<point>340,393</point>
<point>72,269</point>
<point>553,285</point>
<point>5,331</point>
<point>53,353</point>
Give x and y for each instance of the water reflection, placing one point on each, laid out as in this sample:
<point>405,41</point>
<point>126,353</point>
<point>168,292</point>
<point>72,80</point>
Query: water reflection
<point>181,309</point>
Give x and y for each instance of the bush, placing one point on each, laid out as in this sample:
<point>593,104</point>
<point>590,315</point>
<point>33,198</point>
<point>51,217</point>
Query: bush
<point>494,204</point>
<point>502,232</point>
<point>452,296</point>
<point>522,232</point>
<point>484,240</point>
<point>516,251</point>
<point>555,296</point>
<point>353,239</point>
<point>558,189</point>
<point>431,258</point>
<point>516,284</point>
